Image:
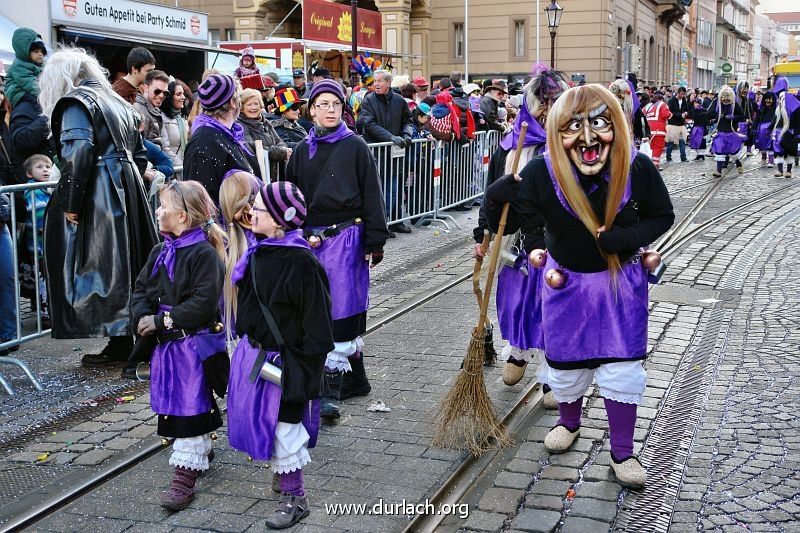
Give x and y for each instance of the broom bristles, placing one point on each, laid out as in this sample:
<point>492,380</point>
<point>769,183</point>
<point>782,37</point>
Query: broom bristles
<point>467,419</point>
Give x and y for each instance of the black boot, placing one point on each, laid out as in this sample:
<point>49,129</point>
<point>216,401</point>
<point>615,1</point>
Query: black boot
<point>355,383</point>
<point>329,400</point>
<point>116,351</point>
<point>489,353</point>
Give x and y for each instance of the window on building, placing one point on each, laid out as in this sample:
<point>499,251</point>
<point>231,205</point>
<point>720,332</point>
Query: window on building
<point>458,38</point>
<point>213,36</point>
<point>230,34</point>
<point>519,38</point>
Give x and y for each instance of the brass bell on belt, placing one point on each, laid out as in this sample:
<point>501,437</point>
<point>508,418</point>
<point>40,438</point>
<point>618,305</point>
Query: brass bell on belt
<point>555,278</point>
<point>538,257</point>
<point>218,327</point>
<point>314,241</point>
<point>651,259</point>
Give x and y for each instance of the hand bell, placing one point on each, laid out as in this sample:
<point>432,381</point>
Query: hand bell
<point>555,278</point>
<point>651,259</point>
<point>538,257</point>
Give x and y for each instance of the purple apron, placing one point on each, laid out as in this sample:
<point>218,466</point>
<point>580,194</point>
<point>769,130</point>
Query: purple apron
<point>727,143</point>
<point>586,320</point>
<point>342,257</point>
<point>178,385</point>
<point>764,136</point>
<point>696,137</point>
<point>253,407</point>
<point>519,305</point>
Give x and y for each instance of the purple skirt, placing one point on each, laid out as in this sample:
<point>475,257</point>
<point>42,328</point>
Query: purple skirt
<point>178,385</point>
<point>585,320</point>
<point>696,137</point>
<point>519,306</point>
<point>342,257</point>
<point>727,143</point>
<point>253,407</point>
<point>764,136</point>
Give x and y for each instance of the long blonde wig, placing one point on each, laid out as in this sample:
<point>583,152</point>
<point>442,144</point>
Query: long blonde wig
<point>235,195</point>
<point>582,100</point>
<point>64,71</point>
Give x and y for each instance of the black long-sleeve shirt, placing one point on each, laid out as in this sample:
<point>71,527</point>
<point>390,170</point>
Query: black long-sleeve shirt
<point>677,108</point>
<point>647,214</point>
<point>349,189</point>
<point>209,155</point>
<point>729,117</point>
<point>197,287</point>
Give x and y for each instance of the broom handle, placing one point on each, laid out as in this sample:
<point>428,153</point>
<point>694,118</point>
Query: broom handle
<point>476,270</point>
<point>498,238</point>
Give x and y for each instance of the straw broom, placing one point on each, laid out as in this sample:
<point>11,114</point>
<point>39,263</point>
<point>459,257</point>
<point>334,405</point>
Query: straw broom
<point>467,419</point>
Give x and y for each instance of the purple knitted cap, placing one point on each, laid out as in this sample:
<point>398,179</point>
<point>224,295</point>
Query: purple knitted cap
<point>326,86</point>
<point>216,91</point>
<point>285,204</point>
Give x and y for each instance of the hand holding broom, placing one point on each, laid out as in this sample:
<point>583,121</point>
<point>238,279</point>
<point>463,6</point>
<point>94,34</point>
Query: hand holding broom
<point>467,420</point>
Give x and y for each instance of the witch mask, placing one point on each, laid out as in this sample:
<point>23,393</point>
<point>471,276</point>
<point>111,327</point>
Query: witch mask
<point>726,95</point>
<point>587,139</point>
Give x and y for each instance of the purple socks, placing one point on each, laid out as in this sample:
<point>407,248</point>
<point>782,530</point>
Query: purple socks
<point>569,414</point>
<point>292,483</point>
<point>621,423</point>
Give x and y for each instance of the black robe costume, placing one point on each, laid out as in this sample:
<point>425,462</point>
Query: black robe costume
<point>209,155</point>
<point>341,183</point>
<point>196,288</point>
<point>92,266</point>
<point>297,295</point>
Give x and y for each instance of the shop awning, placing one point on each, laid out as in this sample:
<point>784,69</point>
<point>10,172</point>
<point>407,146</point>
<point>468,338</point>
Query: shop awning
<point>100,35</point>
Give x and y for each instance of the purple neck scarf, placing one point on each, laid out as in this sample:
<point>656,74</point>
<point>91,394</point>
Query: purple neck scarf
<point>340,132</point>
<point>605,175</point>
<point>535,134</point>
<point>235,132</point>
<point>292,239</point>
<point>167,255</point>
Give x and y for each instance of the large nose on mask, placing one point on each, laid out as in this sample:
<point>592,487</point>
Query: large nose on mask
<point>588,134</point>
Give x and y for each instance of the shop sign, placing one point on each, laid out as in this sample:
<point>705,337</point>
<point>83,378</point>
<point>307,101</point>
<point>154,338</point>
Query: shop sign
<point>132,17</point>
<point>332,23</point>
<point>726,68</point>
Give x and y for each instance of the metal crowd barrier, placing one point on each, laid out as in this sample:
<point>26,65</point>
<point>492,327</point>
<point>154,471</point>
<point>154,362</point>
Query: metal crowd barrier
<point>30,319</point>
<point>428,177</point>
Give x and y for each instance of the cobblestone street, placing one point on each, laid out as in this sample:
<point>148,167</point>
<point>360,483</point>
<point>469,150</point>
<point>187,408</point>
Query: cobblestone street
<point>719,430</point>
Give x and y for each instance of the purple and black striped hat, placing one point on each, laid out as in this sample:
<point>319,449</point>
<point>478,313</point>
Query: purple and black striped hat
<point>285,204</point>
<point>216,91</point>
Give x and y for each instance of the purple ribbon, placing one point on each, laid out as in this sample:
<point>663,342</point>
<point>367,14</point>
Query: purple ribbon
<point>535,134</point>
<point>341,132</point>
<point>171,243</point>
<point>235,132</point>
<point>605,175</point>
<point>292,239</point>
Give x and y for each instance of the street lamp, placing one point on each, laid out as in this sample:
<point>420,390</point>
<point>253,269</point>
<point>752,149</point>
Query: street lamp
<point>553,12</point>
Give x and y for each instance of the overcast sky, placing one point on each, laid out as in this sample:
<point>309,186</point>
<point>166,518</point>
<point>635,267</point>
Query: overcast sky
<point>777,6</point>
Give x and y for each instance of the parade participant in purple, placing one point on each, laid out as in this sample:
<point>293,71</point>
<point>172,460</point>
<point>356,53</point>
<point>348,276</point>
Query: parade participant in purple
<point>236,197</point>
<point>747,101</point>
<point>346,227</point>
<point>216,144</point>
<point>518,287</point>
<point>787,129</point>
<point>697,137</point>
<point>99,229</point>
<point>764,126</point>
<point>601,202</point>
<point>282,318</point>
<point>727,141</point>
<point>176,301</point>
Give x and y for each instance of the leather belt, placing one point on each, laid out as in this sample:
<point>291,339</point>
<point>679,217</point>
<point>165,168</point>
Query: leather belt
<point>316,237</point>
<point>178,334</point>
<point>260,358</point>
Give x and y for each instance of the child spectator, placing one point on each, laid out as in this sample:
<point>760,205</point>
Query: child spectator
<point>37,170</point>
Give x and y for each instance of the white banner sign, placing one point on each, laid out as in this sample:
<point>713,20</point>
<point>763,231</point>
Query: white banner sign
<point>132,17</point>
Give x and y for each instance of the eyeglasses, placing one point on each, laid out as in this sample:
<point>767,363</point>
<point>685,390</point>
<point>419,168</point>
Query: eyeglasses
<point>325,106</point>
<point>174,185</point>
<point>159,92</point>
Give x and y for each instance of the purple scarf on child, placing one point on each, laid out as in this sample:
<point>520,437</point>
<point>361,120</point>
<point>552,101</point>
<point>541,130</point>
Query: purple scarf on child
<point>234,133</point>
<point>292,239</point>
<point>533,136</point>
<point>337,134</point>
<point>166,256</point>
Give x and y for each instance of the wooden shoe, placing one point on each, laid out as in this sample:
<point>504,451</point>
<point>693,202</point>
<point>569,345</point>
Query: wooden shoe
<point>629,473</point>
<point>549,401</point>
<point>560,439</point>
<point>513,373</point>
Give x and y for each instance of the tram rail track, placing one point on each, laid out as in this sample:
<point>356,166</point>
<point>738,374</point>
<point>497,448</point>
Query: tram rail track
<point>459,483</point>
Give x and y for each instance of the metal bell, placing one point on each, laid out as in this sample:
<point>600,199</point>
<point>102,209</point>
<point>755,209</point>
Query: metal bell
<point>314,241</point>
<point>165,442</point>
<point>555,278</point>
<point>213,436</point>
<point>218,327</point>
<point>538,258</point>
<point>651,260</point>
